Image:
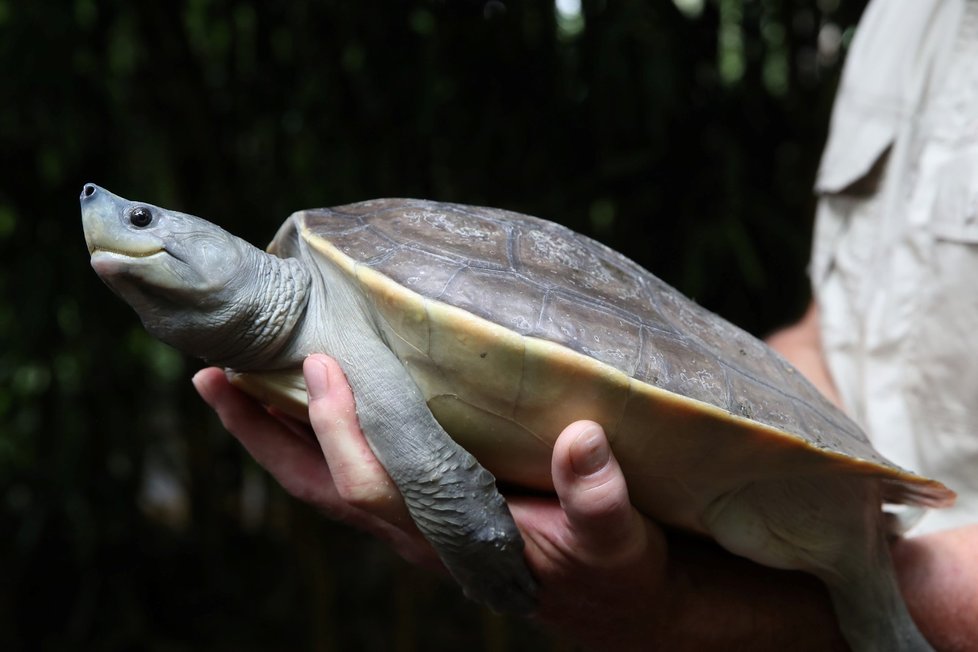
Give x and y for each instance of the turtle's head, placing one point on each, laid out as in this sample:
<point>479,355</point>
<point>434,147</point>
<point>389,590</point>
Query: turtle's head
<point>193,284</point>
<point>150,255</point>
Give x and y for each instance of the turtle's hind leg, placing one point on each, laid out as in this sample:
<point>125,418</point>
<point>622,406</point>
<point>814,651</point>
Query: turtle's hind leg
<point>834,528</point>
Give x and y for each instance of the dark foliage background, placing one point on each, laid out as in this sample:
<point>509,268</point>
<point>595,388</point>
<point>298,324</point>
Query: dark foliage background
<point>685,134</point>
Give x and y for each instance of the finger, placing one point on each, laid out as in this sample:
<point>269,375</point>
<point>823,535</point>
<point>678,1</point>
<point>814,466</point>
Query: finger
<point>359,477</point>
<point>606,529</point>
<point>297,465</point>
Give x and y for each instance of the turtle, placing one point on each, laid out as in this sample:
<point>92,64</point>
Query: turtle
<point>471,336</point>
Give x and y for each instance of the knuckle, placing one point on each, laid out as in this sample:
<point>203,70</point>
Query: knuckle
<point>327,415</point>
<point>369,495</point>
<point>603,501</point>
<point>609,505</point>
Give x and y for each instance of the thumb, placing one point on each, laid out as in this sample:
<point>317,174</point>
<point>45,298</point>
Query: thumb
<point>606,528</point>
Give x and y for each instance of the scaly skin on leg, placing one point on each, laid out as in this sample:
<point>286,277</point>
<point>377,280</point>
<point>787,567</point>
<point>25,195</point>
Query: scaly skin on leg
<point>451,497</point>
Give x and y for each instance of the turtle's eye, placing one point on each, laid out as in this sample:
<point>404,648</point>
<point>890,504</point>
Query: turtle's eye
<point>140,217</point>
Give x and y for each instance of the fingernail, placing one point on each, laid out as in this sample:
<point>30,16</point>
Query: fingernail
<point>317,377</point>
<point>590,451</point>
<point>202,388</point>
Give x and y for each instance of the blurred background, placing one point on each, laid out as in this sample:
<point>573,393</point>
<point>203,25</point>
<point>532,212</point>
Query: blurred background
<point>684,133</point>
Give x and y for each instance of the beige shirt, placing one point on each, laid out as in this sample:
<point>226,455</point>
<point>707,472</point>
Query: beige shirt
<point>895,258</point>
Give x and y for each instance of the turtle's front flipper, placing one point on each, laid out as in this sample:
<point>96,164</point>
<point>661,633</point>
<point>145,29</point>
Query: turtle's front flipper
<point>451,497</point>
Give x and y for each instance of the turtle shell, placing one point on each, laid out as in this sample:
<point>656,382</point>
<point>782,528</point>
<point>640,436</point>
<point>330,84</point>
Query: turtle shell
<point>514,327</point>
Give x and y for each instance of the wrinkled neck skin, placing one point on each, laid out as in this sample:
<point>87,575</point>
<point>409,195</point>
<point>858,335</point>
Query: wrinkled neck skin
<point>252,332</point>
<point>244,317</point>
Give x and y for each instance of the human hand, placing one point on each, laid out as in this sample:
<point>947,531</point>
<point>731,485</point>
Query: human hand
<point>353,488</point>
<point>609,578</point>
<point>591,530</point>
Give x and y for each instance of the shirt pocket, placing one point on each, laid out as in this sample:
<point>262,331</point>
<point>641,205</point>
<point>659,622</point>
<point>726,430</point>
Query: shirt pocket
<point>955,213</point>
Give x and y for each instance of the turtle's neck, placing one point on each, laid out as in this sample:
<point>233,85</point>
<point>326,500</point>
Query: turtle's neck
<point>256,328</point>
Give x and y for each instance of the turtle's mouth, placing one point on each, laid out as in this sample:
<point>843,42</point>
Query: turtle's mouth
<point>128,253</point>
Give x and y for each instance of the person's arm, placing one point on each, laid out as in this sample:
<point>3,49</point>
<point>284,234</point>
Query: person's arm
<point>938,575</point>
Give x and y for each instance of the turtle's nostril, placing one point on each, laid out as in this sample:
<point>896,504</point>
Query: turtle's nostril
<point>88,190</point>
